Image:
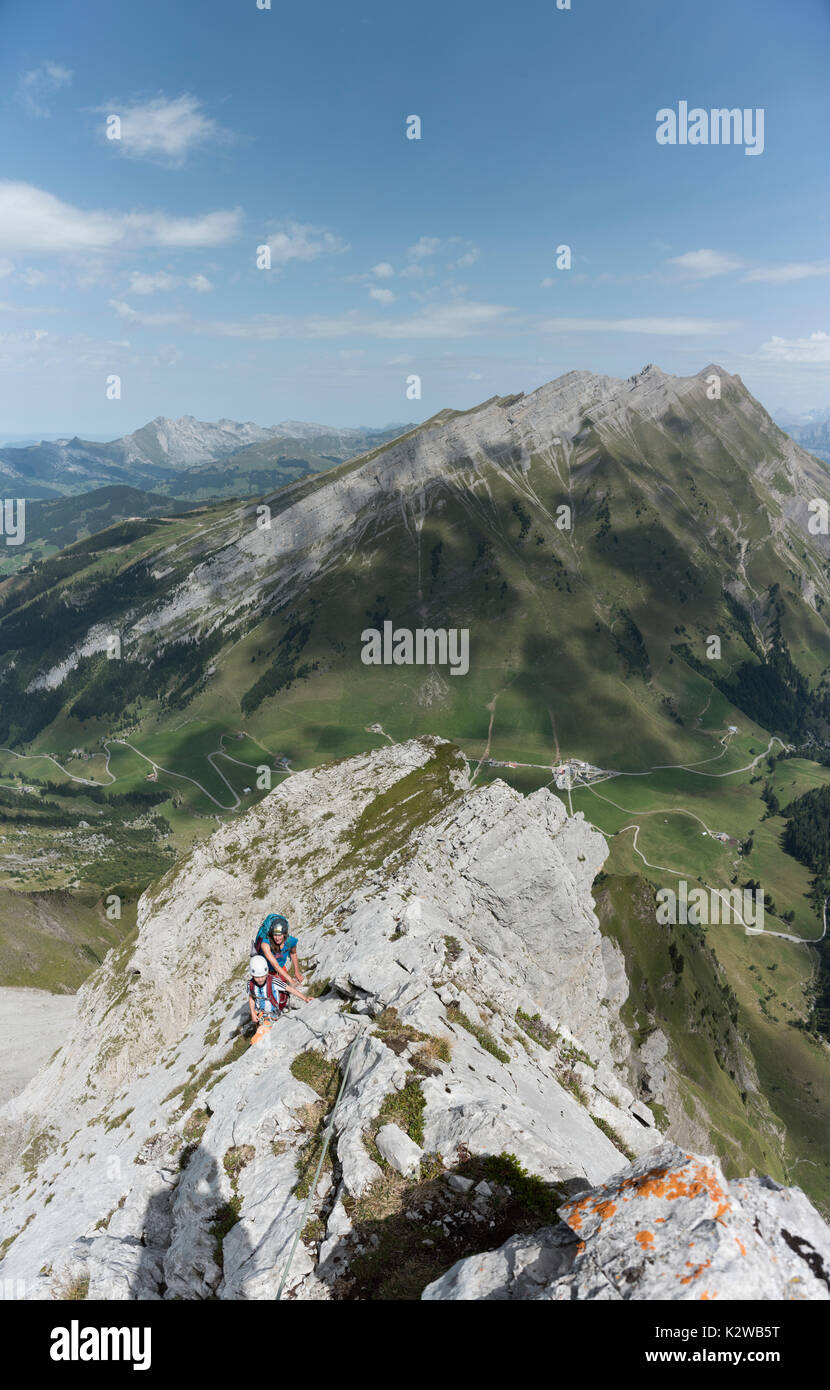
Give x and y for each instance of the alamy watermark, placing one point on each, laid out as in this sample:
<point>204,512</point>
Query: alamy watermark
<point>77,1343</point>
<point>700,906</point>
<point>718,126</point>
<point>13,526</point>
<point>425,646</point>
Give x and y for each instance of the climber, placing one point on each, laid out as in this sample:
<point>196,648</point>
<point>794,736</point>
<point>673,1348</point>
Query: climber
<point>274,943</point>
<point>266,1000</point>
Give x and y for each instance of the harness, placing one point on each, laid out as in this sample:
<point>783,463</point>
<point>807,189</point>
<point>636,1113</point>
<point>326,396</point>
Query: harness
<point>277,1000</point>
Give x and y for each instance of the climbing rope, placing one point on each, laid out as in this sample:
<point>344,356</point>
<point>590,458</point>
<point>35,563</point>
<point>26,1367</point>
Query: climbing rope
<point>313,1187</point>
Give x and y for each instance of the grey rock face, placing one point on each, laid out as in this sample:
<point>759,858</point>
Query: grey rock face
<point>400,1152</point>
<point>652,1055</point>
<point>668,1227</point>
<point>520,1269</point>
<point>156,1118</point>
<point>170,1150</point>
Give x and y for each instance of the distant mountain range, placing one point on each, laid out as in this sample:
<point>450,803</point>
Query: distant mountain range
<point>591,533</point>
<point>184,458</point>
<point>811,430</point>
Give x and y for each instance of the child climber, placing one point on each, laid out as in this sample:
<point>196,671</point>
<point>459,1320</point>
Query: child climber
<point>267,993</point>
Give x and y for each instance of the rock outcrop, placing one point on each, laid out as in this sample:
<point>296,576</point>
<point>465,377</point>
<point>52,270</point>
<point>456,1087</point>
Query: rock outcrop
<point>465,994</point>
<point>667,1227</point>
<point>434,914</point>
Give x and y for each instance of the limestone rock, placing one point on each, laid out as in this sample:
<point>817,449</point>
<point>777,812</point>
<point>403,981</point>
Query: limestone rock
<point>171,1151</point>
<point>668,1227</point>
<point>400,1152</point>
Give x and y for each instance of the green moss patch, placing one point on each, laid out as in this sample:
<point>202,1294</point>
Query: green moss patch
<point>394,1034</point>
<point>318,1072</point>
<point>118,1120</point>
<point>479,1032</point>
<point>540,1032</point>
<point>404,1108</point>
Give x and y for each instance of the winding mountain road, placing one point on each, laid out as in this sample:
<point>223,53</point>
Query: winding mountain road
<point>158,767</point>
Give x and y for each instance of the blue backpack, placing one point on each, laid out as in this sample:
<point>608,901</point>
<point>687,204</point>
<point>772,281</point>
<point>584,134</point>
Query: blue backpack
<point>274,919</point>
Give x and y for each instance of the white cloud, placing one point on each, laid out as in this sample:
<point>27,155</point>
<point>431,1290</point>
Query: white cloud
<point>29,337</point>
<point>705,263</point>
<point>547,283</point>
<point>166,130</point>
<point>142,283</point>
<point>667,327</point>
<point>785,274</point>
<point>27,309</point>
<point>27,275</point>
<point>456,319</point>
<point>816,348</point>
<point>33,220</point>
<point>425,246</point>
<point>156,229</point>
<point>303,243</point>
<point>383,270</point>
<point>144,320</point>
<point>474,376</point>
<point>382,296</point>
<point>36,87</point>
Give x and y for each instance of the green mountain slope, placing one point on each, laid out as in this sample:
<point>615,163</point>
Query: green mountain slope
<point>688,521</point>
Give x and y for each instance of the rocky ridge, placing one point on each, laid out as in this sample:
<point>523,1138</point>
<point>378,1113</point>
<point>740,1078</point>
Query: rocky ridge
<point>432,908</point>
<point>464,988</point>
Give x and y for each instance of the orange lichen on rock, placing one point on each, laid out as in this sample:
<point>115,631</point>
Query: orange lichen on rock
<point>668,1184</point>
<point>645,1239</point>
<point>697,1270</point>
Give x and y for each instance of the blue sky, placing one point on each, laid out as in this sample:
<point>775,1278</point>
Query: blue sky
<point>242,127</point>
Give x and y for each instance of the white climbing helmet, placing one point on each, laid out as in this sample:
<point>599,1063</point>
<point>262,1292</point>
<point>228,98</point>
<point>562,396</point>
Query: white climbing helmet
<point>259,965</point>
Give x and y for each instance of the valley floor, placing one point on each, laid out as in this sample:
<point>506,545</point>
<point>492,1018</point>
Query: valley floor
<point>33,1024</point>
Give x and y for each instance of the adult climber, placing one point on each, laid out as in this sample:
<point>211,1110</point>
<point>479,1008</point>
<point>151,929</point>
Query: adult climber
<point>279,948</point>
